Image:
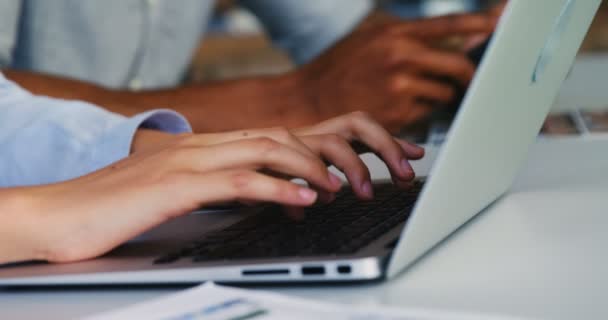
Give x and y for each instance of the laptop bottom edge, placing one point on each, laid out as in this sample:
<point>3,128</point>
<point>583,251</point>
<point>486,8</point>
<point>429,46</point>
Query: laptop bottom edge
<point>346,270</point>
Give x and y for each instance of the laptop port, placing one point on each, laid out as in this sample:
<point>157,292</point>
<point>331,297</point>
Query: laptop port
<point>343,269</point>
<point>265,272</point>
<point>313,271</point>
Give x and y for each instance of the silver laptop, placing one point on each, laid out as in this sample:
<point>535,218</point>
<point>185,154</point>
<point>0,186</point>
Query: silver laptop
<point>528,58</point>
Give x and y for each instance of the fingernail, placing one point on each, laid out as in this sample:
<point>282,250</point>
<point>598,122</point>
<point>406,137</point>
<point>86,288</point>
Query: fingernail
<point>367,189</point>
<point>307,195</point>
<point>407,169</point>
<point>335,181</point>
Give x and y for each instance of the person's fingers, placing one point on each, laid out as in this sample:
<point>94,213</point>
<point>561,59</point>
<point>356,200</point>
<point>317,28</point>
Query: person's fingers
<point>257,154</point>
<point>444,26</point>
<point>474,41</point>
<point>338,152</point>
<point>411,112</point>
<point>123,208</point>
<point>242,185</point>
<point>358,126</point>
<point>280,134</point>
<point>413,151</point>
<point>439,63</point>
<point>497,11</point>
<point>421,88</point>
<point>365,129</point>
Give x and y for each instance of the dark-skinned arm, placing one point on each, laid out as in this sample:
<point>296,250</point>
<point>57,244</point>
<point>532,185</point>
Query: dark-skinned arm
<point>220,106</point>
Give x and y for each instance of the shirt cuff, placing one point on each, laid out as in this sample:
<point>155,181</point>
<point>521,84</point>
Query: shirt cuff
<point>116,144</point>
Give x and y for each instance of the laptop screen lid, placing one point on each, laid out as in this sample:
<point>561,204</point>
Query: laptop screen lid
<point>528,58</point>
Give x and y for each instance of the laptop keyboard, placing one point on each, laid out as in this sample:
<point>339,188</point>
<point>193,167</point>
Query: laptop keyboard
<point>341,227</point>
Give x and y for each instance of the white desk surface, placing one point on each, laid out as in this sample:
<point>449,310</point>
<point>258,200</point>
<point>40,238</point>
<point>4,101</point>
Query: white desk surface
<point>539,252</point>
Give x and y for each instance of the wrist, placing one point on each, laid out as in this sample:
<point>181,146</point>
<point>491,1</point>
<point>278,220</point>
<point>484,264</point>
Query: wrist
<point>146,140</point>
<point>19,230</point>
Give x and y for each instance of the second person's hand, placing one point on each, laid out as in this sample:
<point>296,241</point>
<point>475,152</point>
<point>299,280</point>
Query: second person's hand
<point>392,70</point>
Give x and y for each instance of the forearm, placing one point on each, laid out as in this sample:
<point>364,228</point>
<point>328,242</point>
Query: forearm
<point>236,104</point>
<point>221,106</point>
<point>69,89</point>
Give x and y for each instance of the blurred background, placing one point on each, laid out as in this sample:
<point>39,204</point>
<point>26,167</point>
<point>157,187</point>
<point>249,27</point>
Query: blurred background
<point>236,45</point>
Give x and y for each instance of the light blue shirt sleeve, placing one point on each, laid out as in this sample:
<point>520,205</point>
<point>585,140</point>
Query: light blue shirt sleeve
<point>305,28</point>
<point>44,140</point>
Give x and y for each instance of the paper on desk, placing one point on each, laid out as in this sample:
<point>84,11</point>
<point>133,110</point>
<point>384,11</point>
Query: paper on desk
<point>213,302</point>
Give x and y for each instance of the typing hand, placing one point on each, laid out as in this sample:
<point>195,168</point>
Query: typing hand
<point>332,141</point>
<point>89,216</point>
<point>393,69</point>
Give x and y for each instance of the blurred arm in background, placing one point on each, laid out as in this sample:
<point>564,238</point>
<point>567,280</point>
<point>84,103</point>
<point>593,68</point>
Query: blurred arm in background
<point>384,66</point>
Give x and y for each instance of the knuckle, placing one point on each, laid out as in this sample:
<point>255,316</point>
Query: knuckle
<point>266,145</point>
<point>289,137</point>
<point>333,141</point>
<point>362,169</point>
<point>310,167</point>
<point>400,84</point>
<point>360,121</point>
<point>397,84</point>
<point>179,154</point>
<point>360,117</point>
<point>279,191</point>
<point>171,179</point>
<point>321,169</point>
<point>241,180</point>
<point>282,133</point>
<point>313,167</point>
<point>184,140</point>
<point>396,55</point>
<point>282,130</point>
